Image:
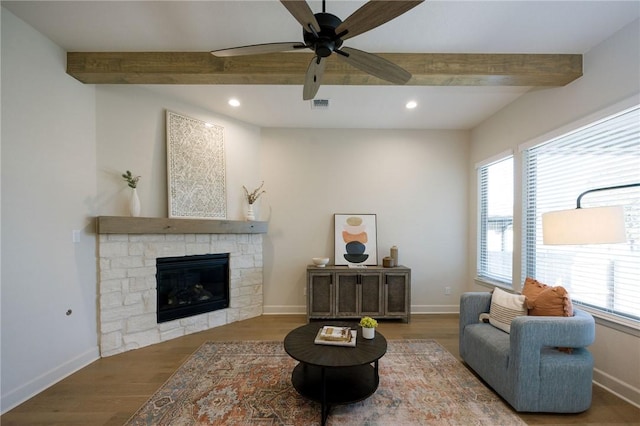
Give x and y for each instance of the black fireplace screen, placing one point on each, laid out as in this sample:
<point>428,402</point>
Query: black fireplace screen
<point>191,285</point>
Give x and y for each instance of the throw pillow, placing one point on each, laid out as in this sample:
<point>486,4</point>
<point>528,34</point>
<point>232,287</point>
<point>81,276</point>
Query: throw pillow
<point>532,288</point>
<point>504,308</point>
<point>545,300</point>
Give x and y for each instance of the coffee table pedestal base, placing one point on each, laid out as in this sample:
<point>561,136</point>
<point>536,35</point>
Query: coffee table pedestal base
<point>334,386</point>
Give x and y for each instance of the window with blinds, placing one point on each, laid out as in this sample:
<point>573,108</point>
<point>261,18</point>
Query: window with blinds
<point>606,153</point>
<point>495,248</point>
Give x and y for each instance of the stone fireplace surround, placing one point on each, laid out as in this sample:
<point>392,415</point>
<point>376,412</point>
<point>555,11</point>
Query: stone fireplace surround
<point>127,252</point>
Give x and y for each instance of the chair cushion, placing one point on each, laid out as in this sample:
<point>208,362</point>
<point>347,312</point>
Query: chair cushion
<point>488,354</point>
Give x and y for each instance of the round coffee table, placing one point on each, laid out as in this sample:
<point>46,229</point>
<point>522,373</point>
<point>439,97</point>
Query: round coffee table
<point>334,375</point>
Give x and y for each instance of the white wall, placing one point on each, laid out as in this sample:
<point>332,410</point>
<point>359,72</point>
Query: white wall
<point>1,404</point>
<point>0,214</point>
<point>414,181</point>
<point>611,73</point>
<point>48,190</point>
<point>131,135</point>
<point>65,145</point>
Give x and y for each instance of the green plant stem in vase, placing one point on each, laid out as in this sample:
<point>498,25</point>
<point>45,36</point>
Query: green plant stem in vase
<point>132,181</point>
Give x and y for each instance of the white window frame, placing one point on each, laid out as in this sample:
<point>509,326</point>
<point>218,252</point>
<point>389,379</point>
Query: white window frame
<point>530,239</point>
<point>486,270</point>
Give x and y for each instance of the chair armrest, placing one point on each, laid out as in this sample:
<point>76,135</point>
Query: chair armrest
<point>472,304</point>
<point>529,333</point>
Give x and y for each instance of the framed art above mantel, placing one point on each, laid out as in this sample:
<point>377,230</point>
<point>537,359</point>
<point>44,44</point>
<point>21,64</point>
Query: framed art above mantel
<point>196,169</point>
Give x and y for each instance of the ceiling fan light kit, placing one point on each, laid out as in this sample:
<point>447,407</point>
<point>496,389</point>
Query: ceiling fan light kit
<point>324,34</point>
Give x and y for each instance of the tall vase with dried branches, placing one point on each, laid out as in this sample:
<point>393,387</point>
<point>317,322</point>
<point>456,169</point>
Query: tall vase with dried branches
<point>252,197</point>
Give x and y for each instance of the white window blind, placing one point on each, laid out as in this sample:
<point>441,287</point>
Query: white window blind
<point>607,153</point>
<point>495,242</point>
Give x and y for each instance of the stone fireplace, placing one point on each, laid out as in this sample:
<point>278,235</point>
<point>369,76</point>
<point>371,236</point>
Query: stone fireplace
<point>128,249</point>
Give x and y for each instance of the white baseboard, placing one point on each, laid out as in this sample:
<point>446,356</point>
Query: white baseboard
<point>17,396</point>
<point>617,387</point>
<point>435,309</point>
<point>284,310</point>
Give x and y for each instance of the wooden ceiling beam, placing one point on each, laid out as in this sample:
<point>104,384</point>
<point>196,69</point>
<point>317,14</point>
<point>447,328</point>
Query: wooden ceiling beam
<point>428,69</point>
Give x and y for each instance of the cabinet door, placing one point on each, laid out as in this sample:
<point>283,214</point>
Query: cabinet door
<point>320,294</point>
<point>397,294</point>
<point>347,301</point>
<point>371,295</point>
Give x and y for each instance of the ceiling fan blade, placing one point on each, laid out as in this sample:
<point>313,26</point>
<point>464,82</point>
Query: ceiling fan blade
<point>373,14</point>
<point>374,65</point>
<point>302,12</point>
<point>313,78</point>
<point>256,49</point>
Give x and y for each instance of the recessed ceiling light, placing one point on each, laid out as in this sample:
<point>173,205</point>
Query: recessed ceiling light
<point>234,102</point>
<point>411,104</point>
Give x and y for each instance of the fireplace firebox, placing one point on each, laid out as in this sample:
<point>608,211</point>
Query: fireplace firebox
<point>191,285</point>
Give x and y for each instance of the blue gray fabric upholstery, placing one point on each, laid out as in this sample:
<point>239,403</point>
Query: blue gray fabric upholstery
<point>524,367</point>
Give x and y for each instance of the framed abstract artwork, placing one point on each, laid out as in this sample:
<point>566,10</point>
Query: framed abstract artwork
<point>196,170</point>
<point>355,239</point>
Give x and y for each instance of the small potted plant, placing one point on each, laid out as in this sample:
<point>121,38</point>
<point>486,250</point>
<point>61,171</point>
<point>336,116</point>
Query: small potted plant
<point>368,325</point>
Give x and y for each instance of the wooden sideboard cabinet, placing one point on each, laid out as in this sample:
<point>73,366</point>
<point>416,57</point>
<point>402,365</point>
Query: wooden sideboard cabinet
<point>339,292</point>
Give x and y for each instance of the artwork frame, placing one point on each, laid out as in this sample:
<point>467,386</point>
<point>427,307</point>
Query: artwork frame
<point>355,239</point>
<point>196,168</point>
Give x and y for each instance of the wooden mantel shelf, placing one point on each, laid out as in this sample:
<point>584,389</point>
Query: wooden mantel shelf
<point>159,225</point>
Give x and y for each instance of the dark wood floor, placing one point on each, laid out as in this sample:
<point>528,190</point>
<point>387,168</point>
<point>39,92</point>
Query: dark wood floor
<point>110,390</point>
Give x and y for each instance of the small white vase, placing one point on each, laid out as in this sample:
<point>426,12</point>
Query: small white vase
<point>250,215</point>
<point>134,203</point>
<point>368,333</point>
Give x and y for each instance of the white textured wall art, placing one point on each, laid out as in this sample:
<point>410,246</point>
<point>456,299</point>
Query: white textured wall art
<point>195,168</point>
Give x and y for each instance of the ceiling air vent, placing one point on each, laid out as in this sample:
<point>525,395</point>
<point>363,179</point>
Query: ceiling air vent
<point>320,104</point>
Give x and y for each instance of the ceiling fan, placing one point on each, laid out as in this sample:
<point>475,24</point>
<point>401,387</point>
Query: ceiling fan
<point>324,34</point>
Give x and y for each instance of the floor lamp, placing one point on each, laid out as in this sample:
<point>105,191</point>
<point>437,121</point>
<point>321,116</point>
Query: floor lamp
<point>595,225</point>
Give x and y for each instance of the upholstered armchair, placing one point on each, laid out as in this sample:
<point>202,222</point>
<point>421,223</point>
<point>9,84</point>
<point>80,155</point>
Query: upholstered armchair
<point>526,367</point>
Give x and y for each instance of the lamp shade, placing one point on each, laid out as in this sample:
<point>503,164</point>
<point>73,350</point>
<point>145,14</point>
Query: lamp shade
<point>597,225</point>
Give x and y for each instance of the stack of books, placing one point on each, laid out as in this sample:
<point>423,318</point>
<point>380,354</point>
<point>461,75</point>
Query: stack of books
<point>338,336</point>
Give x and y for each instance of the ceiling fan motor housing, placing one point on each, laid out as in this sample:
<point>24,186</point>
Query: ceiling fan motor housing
<point>326,41</point>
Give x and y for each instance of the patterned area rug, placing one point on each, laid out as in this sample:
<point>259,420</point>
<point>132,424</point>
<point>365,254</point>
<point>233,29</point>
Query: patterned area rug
<point>249,383</point>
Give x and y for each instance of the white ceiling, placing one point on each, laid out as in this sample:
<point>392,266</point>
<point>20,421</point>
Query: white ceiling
<point>432,27</point>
